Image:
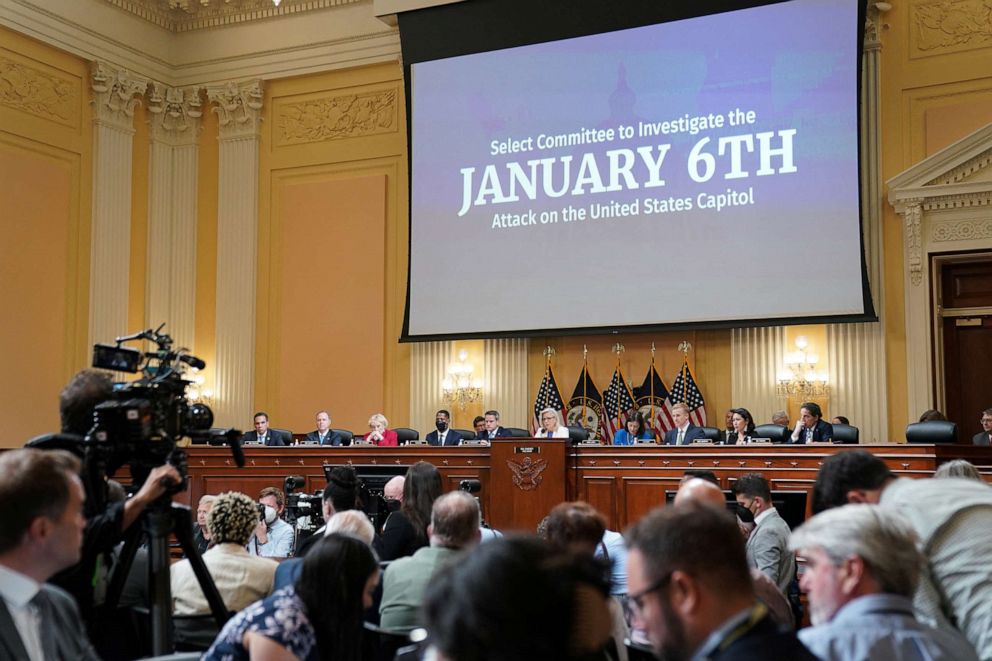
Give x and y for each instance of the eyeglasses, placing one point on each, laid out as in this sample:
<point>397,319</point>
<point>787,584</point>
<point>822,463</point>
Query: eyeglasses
<point>636,601</point>
<point>986,419</point>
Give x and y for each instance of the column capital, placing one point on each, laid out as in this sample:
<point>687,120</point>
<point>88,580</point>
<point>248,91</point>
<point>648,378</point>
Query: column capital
<point>115,93</point>
<point>174,114</point>
<point>238,107</point>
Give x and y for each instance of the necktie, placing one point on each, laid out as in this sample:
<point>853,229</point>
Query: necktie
<point>492,434</point>
<point>809,435</point>
<point>549,434</point>
<point>45,625</point>
<point>681,437</point>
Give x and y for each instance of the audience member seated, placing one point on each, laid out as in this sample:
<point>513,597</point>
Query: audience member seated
<point>958,468</point>
<point>743,428</point>
<point>240,577</point>
<point>405,530</point>
<point>691,590</point>
<point>318,618</point>
<point>613,549</point>
<point>201,536</point>
<point>492,428</point>
<point>323,434</point>
<point>443,434</point>
<point>862,569</point>
<point>577,528</point>
<point>633,431</point>
<point>41,508</point>
<point>346,522</point>
<point>516,598</point>
<point>262,435</point>
<point>551,424</point>
<point>839,420</point>
<point>685,432</point>
<point>392,492</point>
<point>702,491</point>
<point>273,537</point>
<point>781,418</point>
<point>810,428</point>
<point>454,527</point>
<point>930,415</point>
<point>953,519</point>
<point>984,437</point>
<point>768,545</point>
<point>378,432</point>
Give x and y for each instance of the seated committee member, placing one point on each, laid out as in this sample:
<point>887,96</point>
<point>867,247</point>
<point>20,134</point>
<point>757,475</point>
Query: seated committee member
<point>634,430</point>
<point>323,434</point>
<point>479,424</point>
<point>781,418</point>
<point>443,434</point>
<point>685,432</point>
<point>551,426</point>
<point>810,428</point>
<point>273,537</point>
<point>263,435</point>
<point>492,428</point>
<point>984,437</point>
<point>378,434</point>
<point>743,428</point>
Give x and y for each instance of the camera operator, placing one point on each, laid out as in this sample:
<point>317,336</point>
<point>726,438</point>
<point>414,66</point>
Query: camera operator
<point>273,537</point>
<point>341,494</point>
<point>104,528</point>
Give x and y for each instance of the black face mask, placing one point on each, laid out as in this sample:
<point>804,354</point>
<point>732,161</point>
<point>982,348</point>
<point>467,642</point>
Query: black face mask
<point>744,514</point>
<point>441,424</point>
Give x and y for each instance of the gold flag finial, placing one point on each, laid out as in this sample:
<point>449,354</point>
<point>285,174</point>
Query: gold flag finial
<point>685,347</point>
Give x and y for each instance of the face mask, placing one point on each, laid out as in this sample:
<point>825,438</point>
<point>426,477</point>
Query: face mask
<point>441,425</point>
<point>744,514</point>
<point>270,514</point>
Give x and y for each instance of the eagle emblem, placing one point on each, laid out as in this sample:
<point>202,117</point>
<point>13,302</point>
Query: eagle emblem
<point>527,474</point>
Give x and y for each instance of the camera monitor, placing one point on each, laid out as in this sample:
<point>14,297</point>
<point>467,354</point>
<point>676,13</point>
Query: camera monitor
<point>119,359</point>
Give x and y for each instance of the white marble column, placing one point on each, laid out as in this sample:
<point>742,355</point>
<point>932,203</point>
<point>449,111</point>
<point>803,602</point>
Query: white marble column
<point>174,119</point>
<point>428,365</point>
<point>115,94</point>
<point>238,107</point>
<point>504,374</point>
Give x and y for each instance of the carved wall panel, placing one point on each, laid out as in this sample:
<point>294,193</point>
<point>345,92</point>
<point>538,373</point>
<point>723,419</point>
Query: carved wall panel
<point>39,91</point>
<point>947,26</point>
<point>334,117</point>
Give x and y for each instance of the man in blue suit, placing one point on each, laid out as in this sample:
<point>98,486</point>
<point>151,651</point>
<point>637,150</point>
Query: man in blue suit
<point>493,429</point>
<point>263,435</point>
<point>324,435</point>
<point>443,435</point>
<point>685,432</point>
<point>810,428</point>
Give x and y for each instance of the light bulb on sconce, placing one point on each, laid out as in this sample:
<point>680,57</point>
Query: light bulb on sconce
<point>800,378</point>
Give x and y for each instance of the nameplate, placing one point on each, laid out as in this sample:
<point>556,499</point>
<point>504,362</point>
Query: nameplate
<point>527,450</point>
<point>646,441</point>
<point>760,441</point>
<point>590,443</point>
<point>419,441</point>
<point>474,443</point>
<point>702,441</point>
<point>357,442</point>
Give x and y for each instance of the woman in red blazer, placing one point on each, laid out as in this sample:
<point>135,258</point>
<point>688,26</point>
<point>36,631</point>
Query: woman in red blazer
<point>378,434</point>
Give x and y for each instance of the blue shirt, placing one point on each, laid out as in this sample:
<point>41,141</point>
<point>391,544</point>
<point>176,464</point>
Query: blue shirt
<point>882,627</point>
<point>280,537</point>
<point>615,550</point>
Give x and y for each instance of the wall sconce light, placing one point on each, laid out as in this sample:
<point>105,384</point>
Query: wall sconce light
<point>801,378</point>
<point>459,388</point>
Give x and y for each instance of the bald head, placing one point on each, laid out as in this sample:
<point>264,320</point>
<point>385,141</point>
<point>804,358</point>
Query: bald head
<point>394,488</point>
<point>697,490</point>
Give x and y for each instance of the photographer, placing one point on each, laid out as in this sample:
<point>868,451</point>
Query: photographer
<point>340,495</point>
<point>273,537</point>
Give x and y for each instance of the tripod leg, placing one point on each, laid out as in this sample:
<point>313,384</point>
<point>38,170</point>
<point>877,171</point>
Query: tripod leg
<point>132,540</point>
<point>182,524</point>
<point>158,524</point>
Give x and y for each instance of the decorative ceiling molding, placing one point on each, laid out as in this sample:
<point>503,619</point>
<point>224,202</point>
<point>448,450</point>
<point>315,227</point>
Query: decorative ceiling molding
<point>187,15</point>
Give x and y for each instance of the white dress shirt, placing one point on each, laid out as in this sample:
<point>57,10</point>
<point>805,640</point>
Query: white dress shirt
<point>18,590</point>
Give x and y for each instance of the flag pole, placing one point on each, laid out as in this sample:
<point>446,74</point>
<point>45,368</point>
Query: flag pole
<point>585,381</point>
<point>685,347</point>
<point>652,385</point>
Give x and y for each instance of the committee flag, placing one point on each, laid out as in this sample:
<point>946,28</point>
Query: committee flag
<point>617,401</point>
<point>651,397</point>
<point>684,389</point>
<point>585,408</point>
<point>548,396</point>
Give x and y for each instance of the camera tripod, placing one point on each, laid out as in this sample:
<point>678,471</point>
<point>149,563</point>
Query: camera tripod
<point>159,519</point>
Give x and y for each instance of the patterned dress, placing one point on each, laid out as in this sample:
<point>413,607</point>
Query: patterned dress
<point>280,617</point>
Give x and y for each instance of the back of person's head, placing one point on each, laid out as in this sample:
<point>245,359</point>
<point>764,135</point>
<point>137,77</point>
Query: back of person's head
<point>753,485</point>
<point>351,522</point>
<point>421,488</point>
<point>342,488</point>
<point>79,397</point>
<point>847,471</point>
<point>455,520</point>
<point>958,468</point>
<point>575,526</point>
<point>884,540</point>
<point>702,474</point>
<point>332,585</point>
<point>516,599</point>
<point>33,483</point>
<point>698,490</point>
<point>931,414</point>
<point>698,539</point>
<point>232,519</point>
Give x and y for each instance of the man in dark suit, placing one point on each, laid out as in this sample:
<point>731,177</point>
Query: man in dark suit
<point>810,428</point>
<point>263,435</point>
<point>691,590</point>
<point>41,506</point>
<point>324,435</point>
<point>984,437</point>
<point>492,430</point>
<point>443,435</point>
<point>685,432</point>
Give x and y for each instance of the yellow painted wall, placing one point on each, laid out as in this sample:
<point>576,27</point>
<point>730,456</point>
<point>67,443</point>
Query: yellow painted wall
<point>45,166</point>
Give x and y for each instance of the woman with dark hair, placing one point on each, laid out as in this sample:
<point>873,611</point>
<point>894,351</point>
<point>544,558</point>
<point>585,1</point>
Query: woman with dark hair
<point>318,618</point>
<point>405,531</point>
<point>634,429</point>
<point>743,427</point>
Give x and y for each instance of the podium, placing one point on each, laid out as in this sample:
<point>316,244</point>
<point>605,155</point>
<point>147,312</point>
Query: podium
<point>526,480</point>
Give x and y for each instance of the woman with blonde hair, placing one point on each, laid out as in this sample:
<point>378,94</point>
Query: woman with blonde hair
<point>378,432</point>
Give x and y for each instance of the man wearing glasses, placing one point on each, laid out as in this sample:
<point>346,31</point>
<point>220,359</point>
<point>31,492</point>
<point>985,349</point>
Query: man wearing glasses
<point>691,590</point>
<point>984,437</point>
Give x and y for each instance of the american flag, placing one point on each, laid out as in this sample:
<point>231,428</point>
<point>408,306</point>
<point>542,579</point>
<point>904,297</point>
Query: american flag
<point>656,402</point>
<point>617,400</point>
<point>548,396</point>
<point>585,408</point>
<point>692,397</point>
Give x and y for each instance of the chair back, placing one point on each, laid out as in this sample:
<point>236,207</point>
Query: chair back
<point>517,432</point>
<point>578,434</point>
<point>775,433</point>
<point>466,434</point>
<point>711,434</point>
<point>346,436</point>
<point>934,431</point>
<point>846,434</point>
<point>405,434</point>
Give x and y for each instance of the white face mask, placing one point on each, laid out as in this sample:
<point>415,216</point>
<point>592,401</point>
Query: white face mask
<point>270,514</point>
